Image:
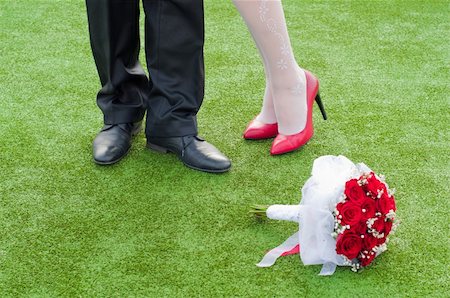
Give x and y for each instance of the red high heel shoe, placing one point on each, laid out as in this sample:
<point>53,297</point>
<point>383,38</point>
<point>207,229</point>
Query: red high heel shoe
<point>287,143</point>
<point>257,130</point>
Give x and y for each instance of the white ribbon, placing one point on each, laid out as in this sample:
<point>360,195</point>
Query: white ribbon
<point>271,257</point>
<point>328,269</point>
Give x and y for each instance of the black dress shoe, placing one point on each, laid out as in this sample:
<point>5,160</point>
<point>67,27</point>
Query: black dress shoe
<point>194,152</point>
<point>113,142</point>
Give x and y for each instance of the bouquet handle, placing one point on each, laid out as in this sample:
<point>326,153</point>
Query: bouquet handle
<point>284,212</point>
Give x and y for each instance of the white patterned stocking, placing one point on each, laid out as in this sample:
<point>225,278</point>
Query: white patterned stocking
<point>285,96</point>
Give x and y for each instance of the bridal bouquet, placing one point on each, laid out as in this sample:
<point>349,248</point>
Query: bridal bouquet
<point>345,216</point>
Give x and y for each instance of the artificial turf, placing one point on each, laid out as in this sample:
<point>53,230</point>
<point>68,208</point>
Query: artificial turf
<point>149,226</point>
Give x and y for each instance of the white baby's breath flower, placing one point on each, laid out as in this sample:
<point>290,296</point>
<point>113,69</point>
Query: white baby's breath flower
<point>370,222</point>
<point>390,215</point>
<point>391,191</point>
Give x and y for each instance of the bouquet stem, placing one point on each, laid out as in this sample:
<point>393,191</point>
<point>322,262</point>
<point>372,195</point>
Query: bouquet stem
<point>259,211</point>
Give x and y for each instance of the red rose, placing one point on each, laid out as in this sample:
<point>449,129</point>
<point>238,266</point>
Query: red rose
<point>379,225</point>
<point>360,228</point>
<point>354,192</point>
<point>387,228</point>
<point>382,226</point>
<point>349,213</point>
<point>349,244</point>
<point>385,195</point>
<point>368,208</point>
<point>374,185</point>
<point>387,231</point>
<point>386,204</point>
<point>369,242</point>
<point>368,258</point>
<point>381,240</point>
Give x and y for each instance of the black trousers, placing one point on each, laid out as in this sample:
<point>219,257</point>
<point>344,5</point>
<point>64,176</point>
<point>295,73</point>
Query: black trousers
<point>174,39</point>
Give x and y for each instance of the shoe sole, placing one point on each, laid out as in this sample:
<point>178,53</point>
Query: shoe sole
<point>107,163</point>
<point>165,150</point>
<point>258,139</point>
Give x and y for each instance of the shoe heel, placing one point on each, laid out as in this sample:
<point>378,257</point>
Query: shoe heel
<point>157,148</point>
<point>321,107</point>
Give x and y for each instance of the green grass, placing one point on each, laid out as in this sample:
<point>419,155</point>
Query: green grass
<point>149,226</point>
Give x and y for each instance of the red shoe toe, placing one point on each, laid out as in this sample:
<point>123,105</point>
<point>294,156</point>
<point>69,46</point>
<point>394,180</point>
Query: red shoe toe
<point>257,130</point>
<point>281,144</point>
<point>284,144</point>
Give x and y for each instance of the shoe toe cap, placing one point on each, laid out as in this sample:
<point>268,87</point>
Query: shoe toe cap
<point>212,162</point>
<point>218,162</point>
<point>281,145</point>
<point>253,134</point>
<point>204,156</point>
<point>107,153</point>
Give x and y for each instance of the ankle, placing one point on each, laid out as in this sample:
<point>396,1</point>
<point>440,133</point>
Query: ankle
<point>265,118</point>
<point>287,81</point>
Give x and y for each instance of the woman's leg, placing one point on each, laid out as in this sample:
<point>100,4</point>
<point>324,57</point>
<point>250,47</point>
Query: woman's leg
<point>267,114</point>
<point>286,84</point>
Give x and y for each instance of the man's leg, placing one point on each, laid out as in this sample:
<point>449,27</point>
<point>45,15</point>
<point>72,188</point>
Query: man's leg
<point>174,49</point>
<point>114,35</point>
